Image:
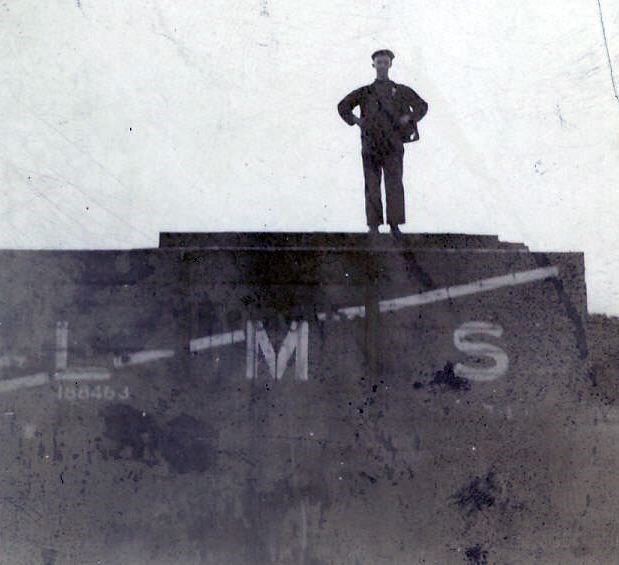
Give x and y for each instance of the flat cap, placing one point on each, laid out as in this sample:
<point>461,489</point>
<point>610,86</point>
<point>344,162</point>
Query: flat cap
<point>387,52</point>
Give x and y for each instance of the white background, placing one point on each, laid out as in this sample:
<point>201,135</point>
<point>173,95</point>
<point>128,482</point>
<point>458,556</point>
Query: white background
<point>120,119</point>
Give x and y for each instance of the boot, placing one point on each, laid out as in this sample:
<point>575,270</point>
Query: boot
<point>395,230</point>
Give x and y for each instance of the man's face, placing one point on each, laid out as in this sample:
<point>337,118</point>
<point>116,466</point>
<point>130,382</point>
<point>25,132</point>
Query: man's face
<point>381,63</point>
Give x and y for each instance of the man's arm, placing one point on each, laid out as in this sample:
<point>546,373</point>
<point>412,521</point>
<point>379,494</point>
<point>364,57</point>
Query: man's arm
<point>418,104</point>
<point>346,105</point>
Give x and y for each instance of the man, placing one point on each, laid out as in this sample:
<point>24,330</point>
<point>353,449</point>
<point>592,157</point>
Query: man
<point>389,113</point>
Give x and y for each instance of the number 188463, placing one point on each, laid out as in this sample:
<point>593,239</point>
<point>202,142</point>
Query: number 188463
<point>92,392</point>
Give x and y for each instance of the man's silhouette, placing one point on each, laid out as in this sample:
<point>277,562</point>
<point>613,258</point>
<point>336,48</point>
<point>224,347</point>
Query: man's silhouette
<point>389,113</point>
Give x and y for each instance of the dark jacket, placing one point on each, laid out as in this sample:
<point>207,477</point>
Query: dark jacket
<point>405,101</point>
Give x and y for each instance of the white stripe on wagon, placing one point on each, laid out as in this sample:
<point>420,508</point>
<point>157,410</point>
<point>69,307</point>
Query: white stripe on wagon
<point>483,285</point>
<point>449,292</point>
<point>24,382</point>
<point>140,357</point>
<point>83,374</point>
<point>216,340</point>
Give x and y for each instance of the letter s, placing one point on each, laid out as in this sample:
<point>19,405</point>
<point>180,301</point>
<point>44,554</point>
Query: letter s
<point>480,349</point>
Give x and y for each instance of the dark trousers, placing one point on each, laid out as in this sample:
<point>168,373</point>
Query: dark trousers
<point>391,164</point>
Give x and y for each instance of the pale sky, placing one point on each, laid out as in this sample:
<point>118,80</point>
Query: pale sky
<point>123,119</point>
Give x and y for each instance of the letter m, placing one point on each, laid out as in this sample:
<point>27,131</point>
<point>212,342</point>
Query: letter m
<point>296,341</point>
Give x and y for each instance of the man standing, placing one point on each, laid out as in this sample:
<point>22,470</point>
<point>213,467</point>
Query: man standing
<point>389,113</point>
